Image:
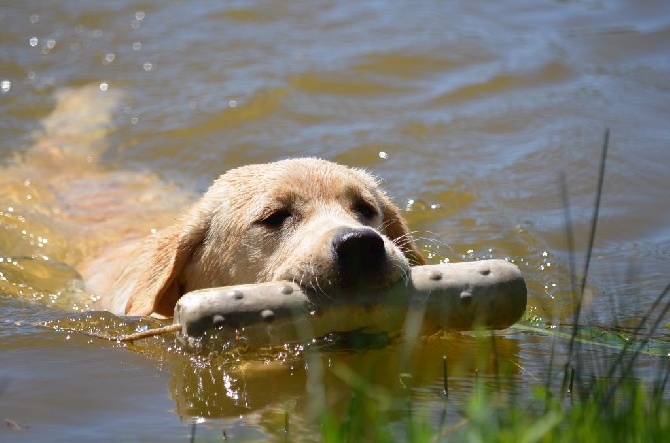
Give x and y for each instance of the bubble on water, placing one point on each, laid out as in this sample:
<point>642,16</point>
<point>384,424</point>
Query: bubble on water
<point>104,86</point>
<point>147,66</point>
<point>232,103</point>
<point>5,85</point>
<point>139,15</point>
<point>383,155</point>
<point>137,46</point>
<point>34,18</point>
<point>33,41</point>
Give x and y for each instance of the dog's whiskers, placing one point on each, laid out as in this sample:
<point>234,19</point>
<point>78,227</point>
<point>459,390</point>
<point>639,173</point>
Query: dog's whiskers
<point>384,225</point>
<point>309,278</point>
<point>427,241</point>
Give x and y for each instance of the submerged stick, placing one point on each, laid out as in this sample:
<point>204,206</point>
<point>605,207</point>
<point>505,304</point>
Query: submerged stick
<point>129,338</point>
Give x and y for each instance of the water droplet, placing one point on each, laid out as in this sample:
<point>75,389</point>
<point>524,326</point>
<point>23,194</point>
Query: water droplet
<point>34,41</point>
<point>383,155</point>
<point>5,86</point>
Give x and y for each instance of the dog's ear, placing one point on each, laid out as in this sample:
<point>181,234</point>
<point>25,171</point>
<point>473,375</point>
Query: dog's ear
<point>395,228</point>
<point>158,288</point>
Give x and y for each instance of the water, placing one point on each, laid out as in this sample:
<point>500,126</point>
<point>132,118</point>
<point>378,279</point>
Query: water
<point>469,112</point>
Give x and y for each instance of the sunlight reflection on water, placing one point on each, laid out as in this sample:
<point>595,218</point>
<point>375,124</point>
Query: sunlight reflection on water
<point>467,111</point>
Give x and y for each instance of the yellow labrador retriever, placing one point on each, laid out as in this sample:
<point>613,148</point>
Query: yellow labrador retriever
<point>317,223</point>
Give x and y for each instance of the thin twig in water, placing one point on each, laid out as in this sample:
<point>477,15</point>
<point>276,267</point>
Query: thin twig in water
<point>137,335</point>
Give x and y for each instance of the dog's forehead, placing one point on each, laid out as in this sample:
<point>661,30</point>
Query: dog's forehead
<point>301,179</point>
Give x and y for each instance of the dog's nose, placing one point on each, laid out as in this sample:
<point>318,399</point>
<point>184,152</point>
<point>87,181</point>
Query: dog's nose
<point>359,253</point>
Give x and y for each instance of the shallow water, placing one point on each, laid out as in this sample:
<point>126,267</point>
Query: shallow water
<point>469,112</point>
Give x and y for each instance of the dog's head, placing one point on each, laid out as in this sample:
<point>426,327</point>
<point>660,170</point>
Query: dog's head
<point>311,221</point>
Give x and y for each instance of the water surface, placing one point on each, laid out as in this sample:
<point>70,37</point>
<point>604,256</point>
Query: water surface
<point>470,112</point>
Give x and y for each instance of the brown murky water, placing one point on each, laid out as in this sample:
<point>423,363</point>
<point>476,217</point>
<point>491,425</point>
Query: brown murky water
<point>469,111</point>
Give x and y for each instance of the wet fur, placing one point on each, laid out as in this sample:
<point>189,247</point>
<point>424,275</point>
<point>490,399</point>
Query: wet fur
<point>224,238</point>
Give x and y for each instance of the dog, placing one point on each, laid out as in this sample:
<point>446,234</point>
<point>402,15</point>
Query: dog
<point>320,224</point>
<point>307,220</point>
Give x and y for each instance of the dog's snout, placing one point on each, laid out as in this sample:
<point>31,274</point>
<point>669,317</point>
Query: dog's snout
<point>359,253</point>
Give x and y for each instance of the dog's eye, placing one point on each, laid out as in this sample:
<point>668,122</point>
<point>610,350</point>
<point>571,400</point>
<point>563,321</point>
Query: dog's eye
<point>365,210</point>
<point>276,218</point>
